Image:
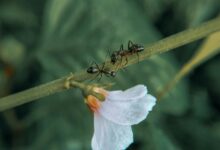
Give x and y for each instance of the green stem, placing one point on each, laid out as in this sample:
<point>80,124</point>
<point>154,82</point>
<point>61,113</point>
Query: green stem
<point>161,46</point>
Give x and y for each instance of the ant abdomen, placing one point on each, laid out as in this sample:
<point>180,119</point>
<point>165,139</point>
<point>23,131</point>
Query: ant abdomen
<point>92,70</point>
<point>135,48</point>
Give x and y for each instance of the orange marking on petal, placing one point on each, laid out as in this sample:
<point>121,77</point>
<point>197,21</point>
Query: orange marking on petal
<point>93,103</point>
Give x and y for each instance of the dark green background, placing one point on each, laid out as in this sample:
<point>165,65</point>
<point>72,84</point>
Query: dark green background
<point>43,40</point>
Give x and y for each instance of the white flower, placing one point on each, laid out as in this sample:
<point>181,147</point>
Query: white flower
<point>114,116</point>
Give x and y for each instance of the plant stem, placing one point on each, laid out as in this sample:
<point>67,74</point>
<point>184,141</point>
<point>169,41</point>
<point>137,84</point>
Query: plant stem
<point>161,46</point>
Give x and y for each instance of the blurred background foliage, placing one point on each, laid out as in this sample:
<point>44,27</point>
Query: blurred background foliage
<point>41,40</point>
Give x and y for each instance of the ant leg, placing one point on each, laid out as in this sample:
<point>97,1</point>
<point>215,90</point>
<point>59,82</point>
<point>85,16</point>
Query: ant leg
<point>94,77</point>
<point>106,73</point>
<point>97,66</point>
<point>120,62</point>
<point>109,53</point>
<point>121,47</point>
<point>130,43</point>
<point>91,64</point>
<point>138,57</point>
<point>100,76</point>
<point>124,69</point>
<point>119,54</point>
<point>126,59</point>
<point>103,67</point>
<point>101,70</point>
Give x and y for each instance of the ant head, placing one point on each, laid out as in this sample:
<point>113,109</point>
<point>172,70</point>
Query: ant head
<point>113,74</point>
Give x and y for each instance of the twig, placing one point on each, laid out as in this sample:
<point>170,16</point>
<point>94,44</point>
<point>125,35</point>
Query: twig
<point>161,46</point>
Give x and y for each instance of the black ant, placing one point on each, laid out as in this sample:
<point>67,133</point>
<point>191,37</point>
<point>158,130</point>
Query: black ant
<point>100,71</point>
<point>132,48</point>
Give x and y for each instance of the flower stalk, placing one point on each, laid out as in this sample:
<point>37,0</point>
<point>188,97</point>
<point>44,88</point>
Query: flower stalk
<point>87,89</point>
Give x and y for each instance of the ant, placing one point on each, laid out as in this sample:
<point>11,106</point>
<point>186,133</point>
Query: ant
<point>100,70</point>
<point>132,48</point>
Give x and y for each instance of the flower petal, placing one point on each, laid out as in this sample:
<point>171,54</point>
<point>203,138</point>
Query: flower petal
<point>128,112</point>
<point>110,136</point>
<point>135,92</point>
